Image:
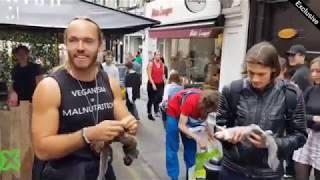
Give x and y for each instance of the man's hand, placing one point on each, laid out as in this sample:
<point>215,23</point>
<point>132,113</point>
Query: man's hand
<point>130,124</point>
<point>257,140</point>
<point>106,130</point>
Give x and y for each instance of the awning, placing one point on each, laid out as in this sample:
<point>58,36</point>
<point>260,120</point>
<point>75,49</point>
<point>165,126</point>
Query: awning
<point>186,31</point>
<point>56,14</point>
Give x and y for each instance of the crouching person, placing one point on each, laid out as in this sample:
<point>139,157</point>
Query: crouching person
<point>273,105</point>
<point>187,109</point>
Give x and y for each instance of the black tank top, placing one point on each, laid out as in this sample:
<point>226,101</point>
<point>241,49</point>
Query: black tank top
<point>75,113</point>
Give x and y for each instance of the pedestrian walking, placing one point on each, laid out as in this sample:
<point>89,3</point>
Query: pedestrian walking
<point>155,84</point>
<point>170,89</point>
<point>301,77</point>
<point>132,84</point>
<point>308,157</point>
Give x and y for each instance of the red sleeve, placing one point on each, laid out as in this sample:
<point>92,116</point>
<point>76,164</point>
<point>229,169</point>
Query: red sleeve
<point>189,106</point>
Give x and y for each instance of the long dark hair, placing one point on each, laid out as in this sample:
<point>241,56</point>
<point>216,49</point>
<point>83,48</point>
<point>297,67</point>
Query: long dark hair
<point>263,53</point>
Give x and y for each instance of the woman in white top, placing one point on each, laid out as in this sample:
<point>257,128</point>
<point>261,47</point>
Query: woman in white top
<point>170,89</point>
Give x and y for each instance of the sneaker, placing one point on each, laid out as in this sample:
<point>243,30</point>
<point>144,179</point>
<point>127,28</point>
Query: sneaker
<point>287,176</point>
<point>151,117</point>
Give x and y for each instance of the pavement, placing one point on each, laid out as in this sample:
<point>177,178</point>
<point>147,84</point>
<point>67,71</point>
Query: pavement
<point>151,141</point>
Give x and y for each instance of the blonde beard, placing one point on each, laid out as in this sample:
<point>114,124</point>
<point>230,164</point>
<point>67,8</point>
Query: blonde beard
<point>68,65</point>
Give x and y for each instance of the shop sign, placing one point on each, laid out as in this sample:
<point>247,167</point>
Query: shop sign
<point>287,33</point>
<point>199,33</point>
<point>161,12</point>
<point>189,32</point>
<point>179,11</point>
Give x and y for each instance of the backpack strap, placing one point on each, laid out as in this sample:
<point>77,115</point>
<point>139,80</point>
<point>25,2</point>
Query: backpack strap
<point>233,98</point>
<point>187,93</point>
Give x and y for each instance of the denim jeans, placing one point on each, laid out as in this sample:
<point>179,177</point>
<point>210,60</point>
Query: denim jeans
<point>172,147</point>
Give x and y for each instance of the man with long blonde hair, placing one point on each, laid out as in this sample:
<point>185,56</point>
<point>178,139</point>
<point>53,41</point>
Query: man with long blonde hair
<point>76,107</point>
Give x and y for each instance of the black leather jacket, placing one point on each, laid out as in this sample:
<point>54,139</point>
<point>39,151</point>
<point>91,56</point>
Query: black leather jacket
<point>266,109</point>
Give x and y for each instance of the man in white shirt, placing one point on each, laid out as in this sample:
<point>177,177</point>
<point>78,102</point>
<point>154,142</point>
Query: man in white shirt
<point>110,68</point>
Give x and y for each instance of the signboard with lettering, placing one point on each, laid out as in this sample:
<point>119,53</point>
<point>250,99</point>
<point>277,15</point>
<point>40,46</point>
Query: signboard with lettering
<point>177,11</point>
<point>188,32</point>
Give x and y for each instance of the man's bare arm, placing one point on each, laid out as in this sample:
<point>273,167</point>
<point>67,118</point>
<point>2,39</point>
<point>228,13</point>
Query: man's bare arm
<point>45,123</point>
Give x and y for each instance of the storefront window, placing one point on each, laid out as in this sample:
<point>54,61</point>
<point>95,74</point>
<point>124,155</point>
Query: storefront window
<point>195,59</point>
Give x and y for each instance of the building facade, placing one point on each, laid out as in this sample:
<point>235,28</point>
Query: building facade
<point>235,38</point>
<point>269,18</point>
<point>123,44</point>
<point>188,36</point>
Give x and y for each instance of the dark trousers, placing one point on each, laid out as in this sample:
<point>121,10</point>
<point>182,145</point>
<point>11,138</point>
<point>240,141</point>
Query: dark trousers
<point>37,168</point>
<point>84,170</point>
<point>227,174</point>
<point>132,109</point>
<point>290,166</point>
<point>154,97</point>
<point>172,148</point>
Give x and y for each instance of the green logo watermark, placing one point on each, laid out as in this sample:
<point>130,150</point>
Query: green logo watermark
<point>10,160</point>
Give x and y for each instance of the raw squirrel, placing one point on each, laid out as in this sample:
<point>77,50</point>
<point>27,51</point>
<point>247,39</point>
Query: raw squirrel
<point>226,134</point>
<point>129,146</point>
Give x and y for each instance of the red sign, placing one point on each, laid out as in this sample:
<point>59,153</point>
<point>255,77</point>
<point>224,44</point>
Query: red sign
<point>161,12</point>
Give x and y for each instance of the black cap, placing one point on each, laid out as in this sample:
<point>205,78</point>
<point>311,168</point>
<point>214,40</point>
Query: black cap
<point>297,48</point>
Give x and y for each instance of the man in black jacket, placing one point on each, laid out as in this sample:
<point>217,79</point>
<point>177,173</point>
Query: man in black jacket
<point>262,100</point>
<point>301,75</point>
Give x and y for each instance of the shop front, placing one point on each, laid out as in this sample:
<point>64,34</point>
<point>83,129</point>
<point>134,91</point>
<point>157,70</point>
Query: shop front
<point>189,36</point>
<point>268,21</point>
